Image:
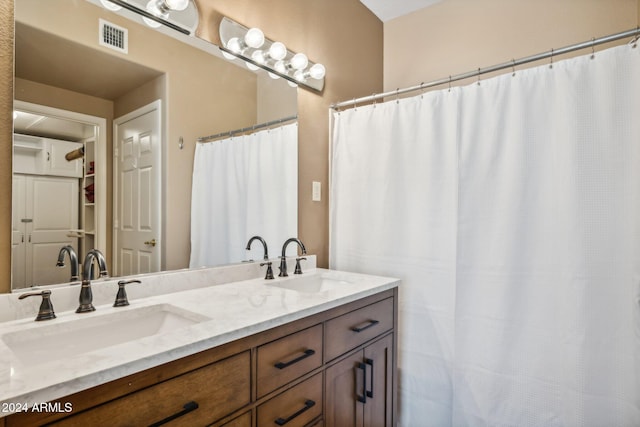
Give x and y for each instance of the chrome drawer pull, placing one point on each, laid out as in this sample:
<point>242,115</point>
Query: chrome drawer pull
<point>369,324</point>
<point>188,407</point>
<point>307,405</point>
<point>307,353</point>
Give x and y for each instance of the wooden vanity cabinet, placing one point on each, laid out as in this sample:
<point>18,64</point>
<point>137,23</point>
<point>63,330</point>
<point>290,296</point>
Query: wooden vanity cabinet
<point>313,372</point>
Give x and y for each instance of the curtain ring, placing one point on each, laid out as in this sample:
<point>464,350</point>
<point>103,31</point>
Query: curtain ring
<point>513,67</point>
<point>449,82</point>
<point>478,76</point>
<point>421,90</point>
<point>593,47</point>
<point>355,105</point>
<point>551,63</point>
<point>397,95</point>
<point>374,99</point>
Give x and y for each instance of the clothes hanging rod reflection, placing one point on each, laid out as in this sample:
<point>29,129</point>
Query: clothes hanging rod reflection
<point>511,64</point>
<point>249,128</point>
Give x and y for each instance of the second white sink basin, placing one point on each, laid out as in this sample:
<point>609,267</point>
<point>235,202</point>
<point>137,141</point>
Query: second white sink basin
<point>310,283</point>
<point>55,341</point>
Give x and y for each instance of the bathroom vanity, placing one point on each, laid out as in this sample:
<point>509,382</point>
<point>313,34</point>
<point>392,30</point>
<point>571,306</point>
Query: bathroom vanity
<point>313,350</point>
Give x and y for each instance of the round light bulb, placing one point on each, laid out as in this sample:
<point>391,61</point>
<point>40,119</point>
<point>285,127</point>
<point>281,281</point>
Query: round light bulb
<point>299,76</point>
<point>234,45</point>
<point>280,67</point>
<point>317,71</point>
<point>110,6</point>
<point>258,56</point>
<point>299,61</point>
<point>252,67</point>
<point>154,9</point>
<point>228,55</point>
<point>274,76</point>
<point>177,4</point>
<point>278,51</point>
<point>151,22</point>
<point>292,84</point>
<point>254,38</point>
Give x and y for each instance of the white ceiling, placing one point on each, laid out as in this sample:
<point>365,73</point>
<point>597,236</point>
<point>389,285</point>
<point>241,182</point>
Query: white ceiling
<point>390,9</point>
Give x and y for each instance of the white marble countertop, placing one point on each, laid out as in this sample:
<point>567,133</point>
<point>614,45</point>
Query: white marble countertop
<point>226,312</point>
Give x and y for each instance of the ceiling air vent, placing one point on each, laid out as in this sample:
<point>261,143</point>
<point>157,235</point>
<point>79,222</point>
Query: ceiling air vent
<point>114,37</point>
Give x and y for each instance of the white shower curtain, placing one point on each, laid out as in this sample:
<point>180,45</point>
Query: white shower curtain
<point>244,186</point>
<point>511,211</point>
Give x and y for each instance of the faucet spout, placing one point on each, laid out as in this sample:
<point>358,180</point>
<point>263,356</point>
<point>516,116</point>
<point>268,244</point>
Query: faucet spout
<point>283,258</point>
<point>73,259</point>
<point>264,245</point>
<point>86,295</point>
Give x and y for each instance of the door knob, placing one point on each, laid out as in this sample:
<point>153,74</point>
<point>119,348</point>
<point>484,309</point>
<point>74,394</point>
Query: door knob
<point>151,242</point>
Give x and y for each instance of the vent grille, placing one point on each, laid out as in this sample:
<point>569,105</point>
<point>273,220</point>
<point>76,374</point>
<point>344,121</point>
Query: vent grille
<point>114,37</point>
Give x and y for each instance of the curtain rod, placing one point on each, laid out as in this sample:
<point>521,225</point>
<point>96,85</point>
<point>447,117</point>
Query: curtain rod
<point>512,64</point>
<point>242,130</point>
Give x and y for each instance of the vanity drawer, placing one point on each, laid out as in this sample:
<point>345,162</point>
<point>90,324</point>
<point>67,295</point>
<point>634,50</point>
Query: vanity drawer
<point>288,358</point>
<point>218,389</point>
<point>357,327</point>
<point>295,407</point>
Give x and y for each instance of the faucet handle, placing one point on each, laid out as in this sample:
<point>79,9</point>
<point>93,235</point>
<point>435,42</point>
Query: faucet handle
<point>298,270</point>
<point>121,297</point>
<point>46,308</point>
<point>269,274</point>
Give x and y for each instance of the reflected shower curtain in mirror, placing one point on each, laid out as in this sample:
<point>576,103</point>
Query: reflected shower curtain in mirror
<point>511,212</point>
<point>244,186</point>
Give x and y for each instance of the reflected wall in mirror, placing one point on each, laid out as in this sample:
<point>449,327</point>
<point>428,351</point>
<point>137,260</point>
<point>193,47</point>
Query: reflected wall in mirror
<point>70,91</point>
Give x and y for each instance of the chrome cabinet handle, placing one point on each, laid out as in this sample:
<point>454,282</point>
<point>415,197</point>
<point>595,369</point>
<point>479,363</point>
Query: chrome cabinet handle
<point>151,242</point>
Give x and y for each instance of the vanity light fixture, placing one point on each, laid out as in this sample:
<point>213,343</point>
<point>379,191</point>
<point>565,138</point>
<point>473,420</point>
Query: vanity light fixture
<point>258,52</point>
<point>155,13</point>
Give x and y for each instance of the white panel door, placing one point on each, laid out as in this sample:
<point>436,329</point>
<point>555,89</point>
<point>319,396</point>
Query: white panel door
<point>138,158</point>
<point>18,232</point>
<point>58,165</point>
<point>45,210</point>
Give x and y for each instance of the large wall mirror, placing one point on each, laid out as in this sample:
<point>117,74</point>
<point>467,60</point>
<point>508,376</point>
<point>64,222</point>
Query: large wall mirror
<point>78,101</point>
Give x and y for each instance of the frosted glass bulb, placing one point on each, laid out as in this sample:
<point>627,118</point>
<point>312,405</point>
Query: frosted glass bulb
<point>278,51</point>
<point>274,76</point>
<point>258,56</point>
<point>151,22</point>
<point>280,67</point>
<point>252,67</point>
<point>317,71</point>
<point>234,45</point>
<point>299,61</point>
<point>110,6</point>
<point>292,84</point>
<point>177,4</point>
<point>254,38</point>
<point>299,76</point>
<point>228,55</point>
<point>154,9</point>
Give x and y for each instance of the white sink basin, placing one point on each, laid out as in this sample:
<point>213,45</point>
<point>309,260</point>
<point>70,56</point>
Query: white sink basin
<point>310,284</point>
<point>61,340</point>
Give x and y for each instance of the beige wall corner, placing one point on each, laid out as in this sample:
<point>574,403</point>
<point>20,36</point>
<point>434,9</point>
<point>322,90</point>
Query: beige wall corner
<point>457,36</point>
<point>347,38</point>
<point>6,138</point>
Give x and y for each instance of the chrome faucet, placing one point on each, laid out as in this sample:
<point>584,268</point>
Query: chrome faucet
<point>269,274</point>
<point>283,258</point>
<point>86,296</point>
<point>73,259</point>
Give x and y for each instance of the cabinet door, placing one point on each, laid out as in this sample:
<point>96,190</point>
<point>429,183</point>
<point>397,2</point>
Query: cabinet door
<point>378,358</point>
<point>344,384</point>
<point>57,164</point>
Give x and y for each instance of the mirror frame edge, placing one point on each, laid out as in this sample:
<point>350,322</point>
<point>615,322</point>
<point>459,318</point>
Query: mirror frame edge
<point>6,136</point>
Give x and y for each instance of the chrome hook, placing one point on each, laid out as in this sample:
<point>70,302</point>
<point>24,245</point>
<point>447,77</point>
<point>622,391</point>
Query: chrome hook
<point>397,95</point>
<point>513,67</point>
<point>479,76</point>
<point>373,95</point>
<point>593,48</point>
<point>355,105</point>
<point>449,82</point>
<point>551,63</point>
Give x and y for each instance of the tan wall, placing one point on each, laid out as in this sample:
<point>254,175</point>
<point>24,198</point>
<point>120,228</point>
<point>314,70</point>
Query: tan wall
<point>347,39</point>
<point>6,140</point>
<point>457,36</point>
